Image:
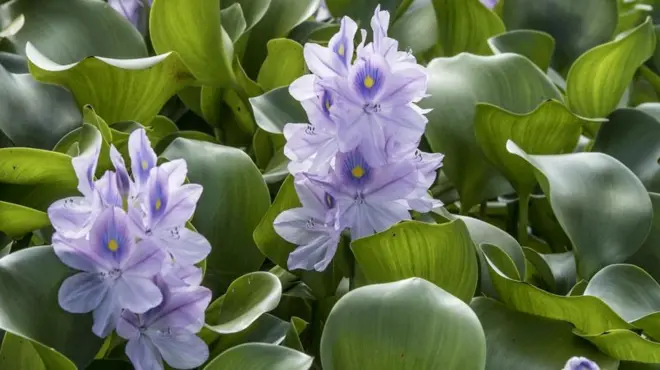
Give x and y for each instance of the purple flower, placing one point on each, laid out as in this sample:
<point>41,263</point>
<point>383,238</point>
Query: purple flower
<point>382,45</point>
<point>490,4</point>
<point>580,363</point>
<point>368,200</point>
<point>311,227</point>
<point>167,332</point>
<point>334,60</point>
<point>143,158</point>
<point>130,9</point>
<point>117,272</point>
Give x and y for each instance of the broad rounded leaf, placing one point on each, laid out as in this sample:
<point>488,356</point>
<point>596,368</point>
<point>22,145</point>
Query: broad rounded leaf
<point>21,353</point>
<point>405,325</point>
<point>537,46</point>
<point>260,356</point>
<point>247,298</point>
<point>465,26</point>
<point>234,200</point>
<point>456,84</point>
<point>24,166</point>
<point>37,315</point>
<point>193,30</point>
<point>633,137</point>
<point>17,220</point>
<point>648,255</point>
<point>416,21</point>
<point>275,109</point>
<point>118,89</point>
<point>598,79</point>
<point>233,21</point>
<point>550,129</point>
<point>92,28</point>
<point>440,253</point>
<point>515,340</point>
<point>557,270</point>
<point>284,64</point>
<point>584,191</point>
<point>596,21</point>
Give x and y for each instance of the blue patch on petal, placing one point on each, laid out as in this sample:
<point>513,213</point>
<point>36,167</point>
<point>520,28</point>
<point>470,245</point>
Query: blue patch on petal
<point>355,168</point>
<point>114,239</point>
<point>368,80</point>
<point>158,199</point>
<point>341,50</point>
<point>326,102</point>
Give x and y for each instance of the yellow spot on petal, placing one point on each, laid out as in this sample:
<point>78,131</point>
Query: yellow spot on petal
<point>357,172</point>
<point>112,245</point>
<point>158,204</point>
<point>327,104</point>
<point>144,164</point>
<point>341,51</point>
<point>369,82</point>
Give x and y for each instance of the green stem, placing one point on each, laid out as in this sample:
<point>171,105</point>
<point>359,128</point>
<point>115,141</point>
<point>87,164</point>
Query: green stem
<point>523,218</point>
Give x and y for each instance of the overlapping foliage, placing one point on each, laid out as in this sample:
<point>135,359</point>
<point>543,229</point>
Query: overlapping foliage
<point>546,248</point>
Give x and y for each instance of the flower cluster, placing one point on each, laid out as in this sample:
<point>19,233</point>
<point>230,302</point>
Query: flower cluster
<point>356,165</point>
<point>136,258</point>
<point>580,363</point>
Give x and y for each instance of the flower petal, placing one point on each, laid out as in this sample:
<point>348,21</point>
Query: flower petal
<point>181,206</point>
<point>177,171</point>
<point>85,166</point>
<point>186,246</point>
<point>137,294</point>
<point>82,292</point>
<point>183,308</point>
<point>303,88</point>
<point>323,62</point>
<point>128,325</point>
<point>181,350</point>
<point>110,238</point>
<point>123,180</point>
<point>71,216</point>
<point>314,255</point>
<point>106,315</point>
<point>143,158</point>
<point>76,254</point>
<point>145,260</point>
<point>391,182</point>
<point>143,354</point>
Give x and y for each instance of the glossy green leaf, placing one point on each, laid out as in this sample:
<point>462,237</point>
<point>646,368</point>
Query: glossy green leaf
<point>588,314</point>
<point>648,255</point>
<point>41,125</point>
<point>465,26</point>
<point>260,356</point>
<point>596,21</point>
<point>633,137</point>
<point>537,46</point>
<point>456,84</point>
<point>409,324</point>
<point>516,340</point>
<point>119,90</point>
<point>21,353</point>
<point>234,200</point>
<point>557,269</point>
<point>284,64</point>
<point>38,316</point>
<point>253,10</point>
<point>550,129</point>
<point>193,30</point>
<point>17,220</point>
<point>282,16</point>
<point>275,109</point>
<point>361,11</point>
<point>92,28</point>
<point>247,298</point>
<point>582,187</point>
<point>632,293</point>
<point>233,21</point>
<point>265,329</point>
<point>598,79</point>
<point>442,254</point>
<point>418,20</point>
<point>24,166</point>
<point>626,345</point>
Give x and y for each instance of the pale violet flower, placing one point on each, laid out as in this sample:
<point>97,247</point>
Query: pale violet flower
<point>131,9</point>
<point>117,271</point>
<point>580,363</point>
<point>490,4</point>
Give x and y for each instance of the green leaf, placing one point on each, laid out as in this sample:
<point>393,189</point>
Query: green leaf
<point>284,64</point>
<point>265,329</point>
<point>41,125</point>
<point>557,269</point>
<point>417,20</point>
<point>456,84</point>
<point>234,200</point>
<point>361,11</point>
<point>25,166</point>
<point>405,325</point>
<point>633,137</point>
<point>274,109</point>
<point>442,254</point>
<point>465,26</point>
<point>92,28</point>
<point>260,356</point>
<point>233,21</point>
<point>602,229</point>
<point>193,30</point>
<point>247,298</point>
<point>282,16</point>
<point>37,316</point>
<point>21,353</point>
<point>598,79</point>
<point>253,10</point>
<point>588,314</point>
<point>516,341</point>
<point>537,46</point>
<point>596,21</point>
<point>17,220</point>
<point>632,293</point>
<point>648,255</point>
<point>119,90</point>
<point>550,129</point>
<point>626,345</point>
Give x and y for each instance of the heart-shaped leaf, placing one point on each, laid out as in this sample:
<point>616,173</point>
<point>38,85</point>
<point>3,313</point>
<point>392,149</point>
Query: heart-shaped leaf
<point>260,356</point>
<point>284,64</point>
<point>409,324</point>
<point>602,228</point>
<point>234,200</point>
<point>442,254</point>
<point>274,109</point>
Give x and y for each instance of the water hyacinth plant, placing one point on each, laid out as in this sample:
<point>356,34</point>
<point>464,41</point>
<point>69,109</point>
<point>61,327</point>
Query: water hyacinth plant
<point>329,185</point>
